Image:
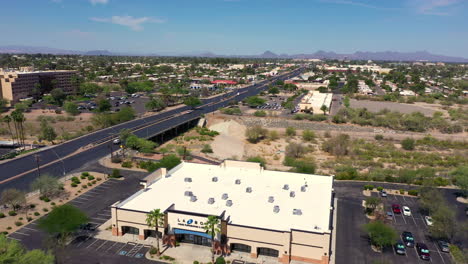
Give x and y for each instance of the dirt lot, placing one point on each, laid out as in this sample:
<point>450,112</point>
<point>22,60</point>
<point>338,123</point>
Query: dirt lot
<point>374,106</point>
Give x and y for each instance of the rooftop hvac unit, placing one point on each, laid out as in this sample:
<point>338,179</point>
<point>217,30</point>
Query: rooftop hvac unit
<point>188,179</point>
<point>248,189</point>
<point>211,200</point>
<point>188,193</point>
<point>229,203</point>
<point>224,196</point>
<point>286,187</point>
<point>193,198</point>
<point>276,208</point>
<point>292,194</point>
<point>297,212</point>
<point>214,179</point>
<point>303,188</point>
<point>271,199</point>
<point>238,181</point>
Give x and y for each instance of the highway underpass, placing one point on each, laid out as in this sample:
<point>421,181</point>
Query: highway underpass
<point>67,157</point>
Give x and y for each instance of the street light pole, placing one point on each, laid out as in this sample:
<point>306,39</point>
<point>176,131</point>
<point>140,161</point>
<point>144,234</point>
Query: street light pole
<point>36,157</point>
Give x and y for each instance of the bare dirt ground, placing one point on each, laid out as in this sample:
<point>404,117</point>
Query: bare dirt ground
<point>374,106</point>
<point>230,141</point>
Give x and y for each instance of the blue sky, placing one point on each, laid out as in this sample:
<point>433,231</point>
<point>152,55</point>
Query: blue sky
<point>239,26</point>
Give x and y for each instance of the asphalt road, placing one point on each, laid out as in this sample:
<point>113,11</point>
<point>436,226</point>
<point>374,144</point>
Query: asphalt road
<point>58,160</point>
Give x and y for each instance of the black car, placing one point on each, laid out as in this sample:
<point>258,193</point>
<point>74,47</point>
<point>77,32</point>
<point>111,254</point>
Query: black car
<point>423,251</point>
<point>400,248</point>
<point>408,238</point>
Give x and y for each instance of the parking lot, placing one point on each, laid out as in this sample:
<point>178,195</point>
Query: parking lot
<point>352,243</point>
<point>414,224</point>
<point>132,250</point>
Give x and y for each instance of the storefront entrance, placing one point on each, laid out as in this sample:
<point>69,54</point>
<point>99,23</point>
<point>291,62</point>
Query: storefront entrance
<point>192,237</point>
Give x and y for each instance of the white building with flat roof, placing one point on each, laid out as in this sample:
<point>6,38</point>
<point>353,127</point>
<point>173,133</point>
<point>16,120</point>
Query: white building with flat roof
<point>280,214</point>
<point>314,100</point>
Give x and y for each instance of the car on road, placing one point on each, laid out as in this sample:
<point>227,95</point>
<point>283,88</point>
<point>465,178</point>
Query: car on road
<point>408,238</point>
<point>423,251</point>
<point>396,209</point>
<point>116,141</point>
<point>383,193</point>
<point>406,211</point>
<point>443,246</point>
<point>428,220</point>
<point>400,248</point>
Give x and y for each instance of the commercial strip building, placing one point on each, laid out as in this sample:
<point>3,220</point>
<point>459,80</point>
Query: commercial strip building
<point>314,100</point>
<point>284,215</point>
<point>17,85</point>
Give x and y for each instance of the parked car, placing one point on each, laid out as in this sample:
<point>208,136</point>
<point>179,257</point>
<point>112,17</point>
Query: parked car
<point>406,211</point>
<point>408,238</point>
<point>383,193</point>
<point>400,248</point>
<point>428,220</point>
<point>443,246</point>
<point>423,251</point>
<point>396,209</point>
<point>389,215</point>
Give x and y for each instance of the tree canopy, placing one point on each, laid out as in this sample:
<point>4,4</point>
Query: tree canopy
<point>11,251</point>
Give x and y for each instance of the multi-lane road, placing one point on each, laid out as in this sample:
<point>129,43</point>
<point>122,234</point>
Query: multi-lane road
<point>69,156</point>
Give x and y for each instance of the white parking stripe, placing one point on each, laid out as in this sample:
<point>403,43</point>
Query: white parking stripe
<point>111,246</point>
<point>93,243</point>
<point>83,198</point>
<point>109,214</point>
<point>97,218</point>
<point>75,201</point>
<point>87,194</point>
<point>27,228</point>
<point>19,233</point>
<point>105,241</point>
<point>17,239</point>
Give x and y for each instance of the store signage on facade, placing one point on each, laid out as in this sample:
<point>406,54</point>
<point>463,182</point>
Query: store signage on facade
<point>190,222</point>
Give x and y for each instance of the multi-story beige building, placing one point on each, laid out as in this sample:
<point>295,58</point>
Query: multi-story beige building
<point>287,216</point>
<point>16,85</point>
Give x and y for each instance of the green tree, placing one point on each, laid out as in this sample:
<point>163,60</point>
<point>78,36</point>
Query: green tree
<point>155,104</point>
<point>460,178</point>
<point>71,108</point>
<point>62,221</point>
<point>380,234</point>
<point>444,223</point>
<point>3,103</point>
<point>155,219</point>
<point>19,119</point>
<point>255,134</point>
<point>48,186</point>
<point>408,144</point>
<point>211,226</point>
<point>258,159</point>
<point>346,102</point>
<point>372,203</point>
<point>12,252</point>
<point>103,105</point>
<point>47,132</point>
<point>308,135</point>
<point>14,198</point>
<point>22,107</point>
<point>7,120</point>
<point>324,109</point>
<point>338,145</point>
<point>254,101</point>
<point>192,101</point>
<point>274,90</point>
<point>124,134</point>
<point>58,95</point>
<point>295,150</point>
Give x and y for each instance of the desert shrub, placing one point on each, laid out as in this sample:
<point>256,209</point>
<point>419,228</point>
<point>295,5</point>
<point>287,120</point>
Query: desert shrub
<point>2,215</point>
<point>29,218</point>
<point>37,214</point>
<point>116,159</point>
<point>18,223</point>
<point>45,209</point>
<point>260,113</point>
<point>308,135</point>
<point>115,173</point>
<point>255,134</point>
<point>346,173</point>
<point>402,191</point>
<point>153,251</point>
<point>127,164</point>
<point>413,192</point>
<point>408,144</point>
<point>207,149</point>
<point>379,137</point>
<point>295,150</point>
<point>73,184</point>
<point>337,145</point>
<point>12,213</point>
<point>290,131</point>
<point>258,160</point>
<point>231,111</point>
<point>273,135</point>
<point>220,260</point>
<point>84,186</point>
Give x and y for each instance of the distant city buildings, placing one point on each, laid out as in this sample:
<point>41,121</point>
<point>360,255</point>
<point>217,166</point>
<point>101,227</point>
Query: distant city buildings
<point>26,83</point>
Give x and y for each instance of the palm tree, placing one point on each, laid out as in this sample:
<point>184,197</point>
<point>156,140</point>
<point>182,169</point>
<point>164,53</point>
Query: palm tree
<point>212,227</point>
<point>7,119</point>
<point>19,119</point>
<point>154,219</point>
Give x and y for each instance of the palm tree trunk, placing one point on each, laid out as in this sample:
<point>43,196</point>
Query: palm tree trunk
<point>11,133</point>
<point>157,240</point>
<point>212,248</point>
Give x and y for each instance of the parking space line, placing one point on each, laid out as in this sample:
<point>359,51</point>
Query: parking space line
<point>109,214</point>
<point>87,194</point>
<point>27,228</point>
<point>82,198</point>
<point>437,249</point>
<point>75,201</point>
<point>105,241</point>
<point>92,191</point>
<point>92,243</point>
<point>111,246</point>
<point>121,248</point>
<point>99,218</point>
<point>17,239</point>
<point>20,233</point>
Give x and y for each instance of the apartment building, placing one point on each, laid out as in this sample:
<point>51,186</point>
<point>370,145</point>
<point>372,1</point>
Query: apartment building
<point>17,85</point>
<point>283,215</point>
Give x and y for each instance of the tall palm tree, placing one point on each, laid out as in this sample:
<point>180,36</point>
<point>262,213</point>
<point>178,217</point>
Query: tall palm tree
<point>155,219</point>
<point>19,119</point>
<point>212,227</point>
<point>7,119</point>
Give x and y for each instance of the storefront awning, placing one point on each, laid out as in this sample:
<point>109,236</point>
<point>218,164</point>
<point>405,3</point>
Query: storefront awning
<point>188,232</point>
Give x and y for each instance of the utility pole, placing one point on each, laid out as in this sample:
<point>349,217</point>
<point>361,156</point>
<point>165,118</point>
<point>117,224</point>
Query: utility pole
<point>36,157</point>
<point>111,150</point>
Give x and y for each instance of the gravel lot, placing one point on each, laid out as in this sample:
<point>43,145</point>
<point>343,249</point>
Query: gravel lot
<point>375,106</point>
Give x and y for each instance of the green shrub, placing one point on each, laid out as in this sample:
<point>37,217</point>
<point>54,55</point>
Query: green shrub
<point>75,180</point>
<point>258,159</point>
<point>115,173</point>
<point>413,192</point>
<point>12,213</point>
<point>196,262</point>
<point>29,218</point>
<point>408,144</point>
<point>2,215</point>
<point>74,184</point>
<point>380,188</point>
<point>220,260</point>
<point>260,113</point>
<point>99,179</point>
<point>18,223</point>
<point>368,187</point>
<point>231,111</point>
<point>46,199</point>
<point>83,177</point>
<point>153,251</point>
<point>207,149</point>
<point>37,214</point>
<point>84,186</point>
<point>86,174</point>
<point>127,164</point>
<point>308,135</point>
<point>378,137</point>
<point>90,177</point>
<point>457,254</point>
<point>9,228</point>
<point>93,182</point>
<point>402,191</point>
<point>52,203</point>
<point>290,131</point>
<point>89,184</point>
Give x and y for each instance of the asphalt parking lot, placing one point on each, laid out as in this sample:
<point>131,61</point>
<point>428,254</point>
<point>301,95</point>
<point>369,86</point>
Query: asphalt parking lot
<point>352,244</point>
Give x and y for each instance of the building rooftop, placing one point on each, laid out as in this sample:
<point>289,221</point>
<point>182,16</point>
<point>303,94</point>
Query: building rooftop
<point>248,194</point>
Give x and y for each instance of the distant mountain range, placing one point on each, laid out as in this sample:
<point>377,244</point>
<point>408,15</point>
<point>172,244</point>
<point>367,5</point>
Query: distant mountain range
<point>359,55</point>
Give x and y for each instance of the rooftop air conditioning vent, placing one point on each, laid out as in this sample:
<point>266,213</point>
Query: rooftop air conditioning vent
<point>188,193</point>
<point>271,199</point>
<point>276,209</point>
<point>229,203</point>
<point>214,179</point>
<point>211,200</point>
<point>292,194</point>
<point>238,181</point>
<point>297,212</point>
<point>193,198</point>
<point>303,188</point>
<point>286,187</point>
<point>248,189</point>
<point>224,196</point>
<point>188,179</point>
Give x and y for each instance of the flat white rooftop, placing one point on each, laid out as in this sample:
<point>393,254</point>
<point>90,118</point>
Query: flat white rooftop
<point>311,194</point>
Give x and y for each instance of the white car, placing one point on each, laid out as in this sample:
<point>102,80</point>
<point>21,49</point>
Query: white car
<point>428,220</point>
<point>406,211</point>
<point>116,141</point>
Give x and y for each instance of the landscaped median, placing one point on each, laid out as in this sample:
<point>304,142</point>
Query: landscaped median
<point>21,208</point>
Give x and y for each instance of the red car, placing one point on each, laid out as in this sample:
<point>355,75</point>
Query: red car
<point>396,209</point>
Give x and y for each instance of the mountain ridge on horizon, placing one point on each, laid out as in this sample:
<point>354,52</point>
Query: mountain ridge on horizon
<point>320,54</point>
